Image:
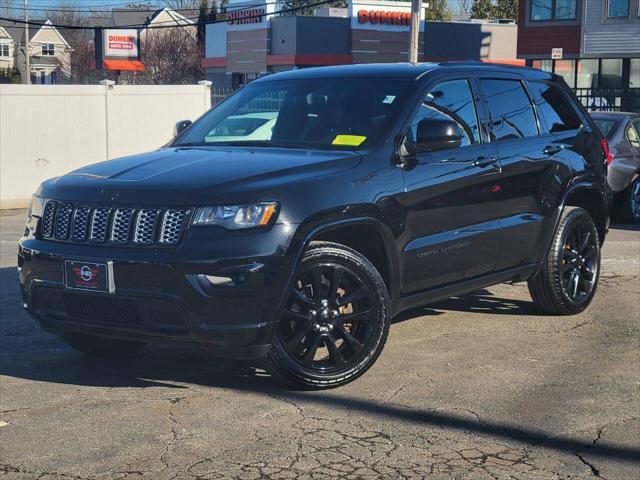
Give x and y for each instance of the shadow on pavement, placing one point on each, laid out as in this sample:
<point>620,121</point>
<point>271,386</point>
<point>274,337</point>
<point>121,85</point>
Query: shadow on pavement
<point>29,353</point>
<point>480,301</point>
<point>630,227</point>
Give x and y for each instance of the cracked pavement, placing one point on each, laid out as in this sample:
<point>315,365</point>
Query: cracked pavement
<point>474,387</point>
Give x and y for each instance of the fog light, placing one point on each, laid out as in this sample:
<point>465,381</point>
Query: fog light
<point>218,281</point>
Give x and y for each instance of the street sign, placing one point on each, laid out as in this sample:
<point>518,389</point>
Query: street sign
<point>556,54</point>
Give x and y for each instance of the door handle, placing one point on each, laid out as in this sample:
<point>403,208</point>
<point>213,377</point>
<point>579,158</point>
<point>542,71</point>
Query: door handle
<point>485,161</point>
<point>552,150</point>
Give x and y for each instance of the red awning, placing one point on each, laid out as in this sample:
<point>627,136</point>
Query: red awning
<point>125,65</point>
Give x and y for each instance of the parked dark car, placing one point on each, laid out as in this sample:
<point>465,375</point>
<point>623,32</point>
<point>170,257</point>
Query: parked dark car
<point>379,188</point>
<point>623,133</point>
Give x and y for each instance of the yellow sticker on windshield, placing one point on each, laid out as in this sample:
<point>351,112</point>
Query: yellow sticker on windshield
<point>348,140</point>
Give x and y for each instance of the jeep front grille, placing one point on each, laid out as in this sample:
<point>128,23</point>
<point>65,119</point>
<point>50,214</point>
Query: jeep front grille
<point>79,223</point>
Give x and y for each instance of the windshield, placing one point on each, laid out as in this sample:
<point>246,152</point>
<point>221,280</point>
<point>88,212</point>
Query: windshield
<point>306,113</point>
<point>607,126</point>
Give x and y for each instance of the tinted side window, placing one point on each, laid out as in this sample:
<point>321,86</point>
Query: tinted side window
<point>511,111</point>
<point>451,101</point>
<point>554,107</point>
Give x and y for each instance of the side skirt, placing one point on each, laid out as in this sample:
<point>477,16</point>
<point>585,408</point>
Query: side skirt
<point>417,299</point>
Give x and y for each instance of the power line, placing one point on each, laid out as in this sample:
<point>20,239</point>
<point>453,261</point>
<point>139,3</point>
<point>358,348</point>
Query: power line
<point>16,4</point>
<point>169,23</point>
<point>97,9</point>
<point>158,26</point>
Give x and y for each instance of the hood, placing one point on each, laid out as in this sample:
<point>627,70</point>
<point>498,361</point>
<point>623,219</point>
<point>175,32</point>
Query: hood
<point>196,176</point>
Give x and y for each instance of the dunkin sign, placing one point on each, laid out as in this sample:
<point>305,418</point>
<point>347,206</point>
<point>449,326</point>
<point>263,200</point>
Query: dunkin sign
<point>120,44</point>
<point>384,17</point>
<point>244,17</point>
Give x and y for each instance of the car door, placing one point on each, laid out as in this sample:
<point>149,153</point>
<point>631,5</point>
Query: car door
<point>451,227</point>
<point>530,177</point>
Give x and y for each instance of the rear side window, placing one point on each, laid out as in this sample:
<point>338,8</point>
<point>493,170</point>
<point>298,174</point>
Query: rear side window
<point>512,115</point>
<point>606,126</point>
<point>633,137</point>
<point>554,108</point>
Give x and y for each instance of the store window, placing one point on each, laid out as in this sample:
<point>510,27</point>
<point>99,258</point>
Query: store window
<point>587,73</point>
<point>610,73</point>
<point>566,69</point>
<point>617,8</point>
<point>565,10</point>
<point>544,65</point>
<point>48,49</point>
<point>546,10</point>
<point>553,107</point>
<point>511,111</point>
<point>634,72</point>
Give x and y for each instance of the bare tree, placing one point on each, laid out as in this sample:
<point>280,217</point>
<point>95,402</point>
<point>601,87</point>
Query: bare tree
<point>82,56</point>
<point>464,6</point>
<point>171,56</point>
<point>182,4</point>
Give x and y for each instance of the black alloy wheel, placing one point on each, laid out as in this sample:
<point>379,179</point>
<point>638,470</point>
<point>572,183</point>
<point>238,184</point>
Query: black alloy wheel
<point>633,201</point>
<point>568,278</point>
<point>335,319</point>
<point>579,262</point>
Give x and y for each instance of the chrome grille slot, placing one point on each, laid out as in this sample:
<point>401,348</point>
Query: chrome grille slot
<point>48,218</point>
<point>172,223</point>
<point>63,221</point>
<point>80,223</point>
<point>99,224</point>
<point>121,225</point>
<point>146,226</point>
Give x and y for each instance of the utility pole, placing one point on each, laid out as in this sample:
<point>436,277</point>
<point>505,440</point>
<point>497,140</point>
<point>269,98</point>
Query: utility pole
<point>414,34</point>
<point>27,60</point>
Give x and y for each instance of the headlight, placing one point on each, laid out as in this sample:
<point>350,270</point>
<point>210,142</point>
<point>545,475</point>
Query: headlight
<point>236,217</point>
<point>36,206</point>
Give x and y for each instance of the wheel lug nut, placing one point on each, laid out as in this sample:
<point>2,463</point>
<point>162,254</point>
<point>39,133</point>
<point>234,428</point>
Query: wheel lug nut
<point>324,303</point>
<point>330,327</point>
<point>316,326</point>
<point>313,313</point>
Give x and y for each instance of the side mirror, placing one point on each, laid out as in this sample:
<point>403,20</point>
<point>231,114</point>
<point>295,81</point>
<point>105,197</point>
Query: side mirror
<point>181,126</point>
<point>435,134</point>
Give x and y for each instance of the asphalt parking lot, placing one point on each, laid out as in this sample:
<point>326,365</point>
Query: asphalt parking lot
<point>474,387</point>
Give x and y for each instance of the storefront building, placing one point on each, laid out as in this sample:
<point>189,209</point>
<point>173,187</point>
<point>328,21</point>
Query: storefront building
<point>593,44</point>
<point>255,42</point>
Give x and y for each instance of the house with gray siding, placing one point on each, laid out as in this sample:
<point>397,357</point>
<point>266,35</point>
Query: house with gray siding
<point>593,44</point>
<point>611,37</point>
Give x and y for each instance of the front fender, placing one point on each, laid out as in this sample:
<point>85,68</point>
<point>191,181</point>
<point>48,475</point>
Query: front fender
<point>318,225</point>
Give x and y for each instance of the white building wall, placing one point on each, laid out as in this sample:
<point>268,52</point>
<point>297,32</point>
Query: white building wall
<point>47,131</point>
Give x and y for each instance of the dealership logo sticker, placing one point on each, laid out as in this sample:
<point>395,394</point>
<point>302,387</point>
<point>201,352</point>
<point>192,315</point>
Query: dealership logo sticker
<point>86,273</point>
<point>85,276</point>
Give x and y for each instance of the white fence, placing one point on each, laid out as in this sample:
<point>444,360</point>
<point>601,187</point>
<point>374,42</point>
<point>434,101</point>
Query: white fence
<point>49,130</point>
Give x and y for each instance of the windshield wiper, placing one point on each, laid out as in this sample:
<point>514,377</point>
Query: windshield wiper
<point>191,144</point>
<point>264,143</point>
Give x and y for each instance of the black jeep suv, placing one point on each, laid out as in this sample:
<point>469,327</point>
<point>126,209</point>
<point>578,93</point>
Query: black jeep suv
<point>295,219</point>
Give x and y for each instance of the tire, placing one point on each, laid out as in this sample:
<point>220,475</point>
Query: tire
<point>335,320</point>
<point>568,279</point>
<point>102,347</point>
<point>627,203</point>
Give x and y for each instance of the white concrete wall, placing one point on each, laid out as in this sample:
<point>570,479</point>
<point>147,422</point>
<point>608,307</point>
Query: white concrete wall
<point>47,131</point>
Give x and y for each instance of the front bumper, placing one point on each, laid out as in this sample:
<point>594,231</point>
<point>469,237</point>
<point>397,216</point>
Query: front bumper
<point>163,294</point>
